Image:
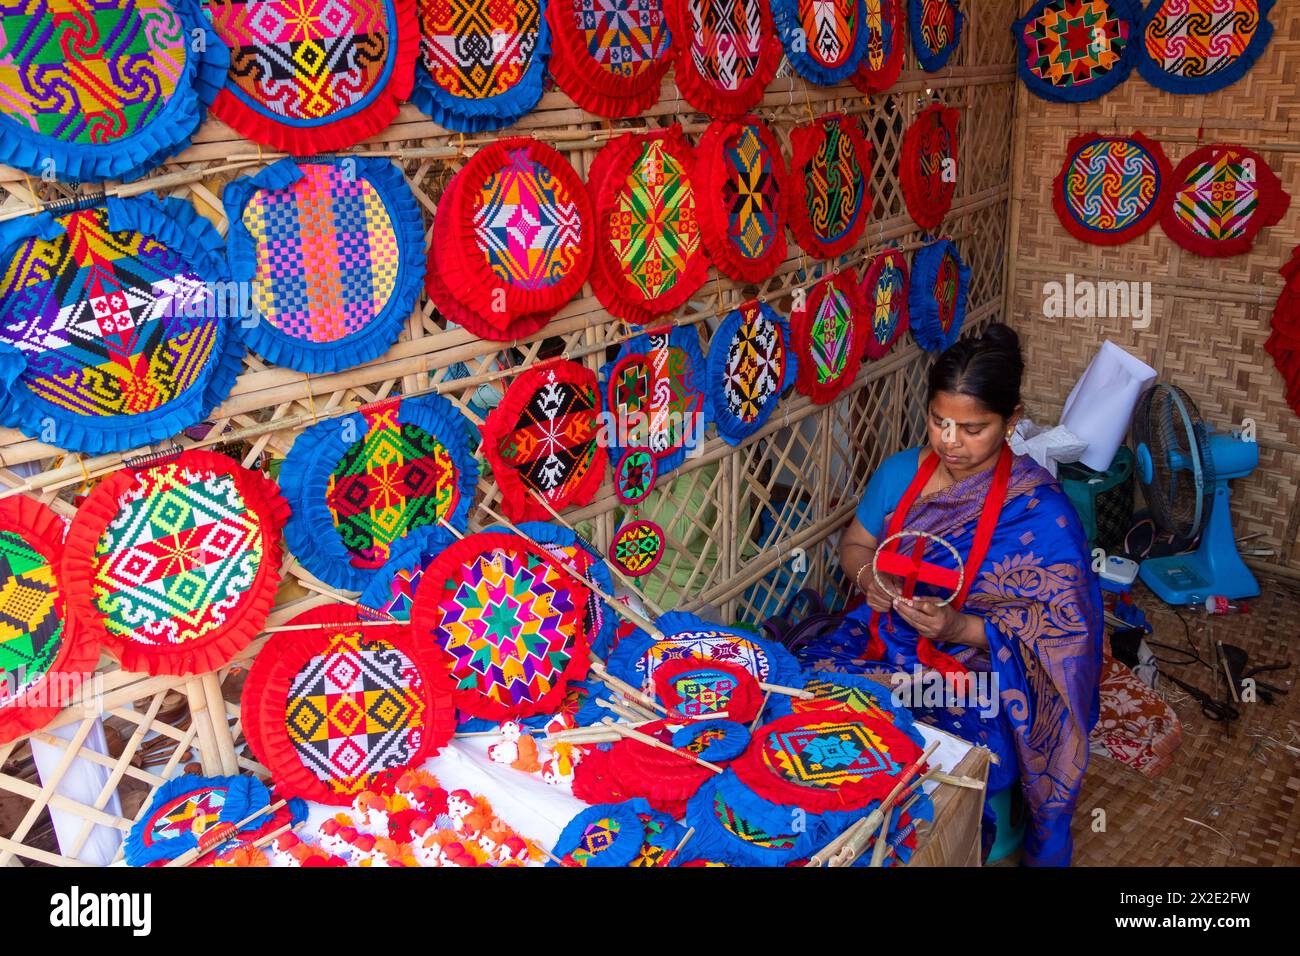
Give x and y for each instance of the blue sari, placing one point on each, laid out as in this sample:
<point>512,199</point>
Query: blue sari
<point>1042,612</point>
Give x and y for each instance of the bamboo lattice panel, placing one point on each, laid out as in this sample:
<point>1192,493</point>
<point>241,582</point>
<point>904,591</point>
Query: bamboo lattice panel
<point>1209,317</point>
<point>748,526</point>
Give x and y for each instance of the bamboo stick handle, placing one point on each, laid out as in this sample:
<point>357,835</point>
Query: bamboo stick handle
<point>632,715</point>
<point>759,716</point>
<point>788,691</point>
<point>651,741</point>
<point>626,689</point>
<point>672,854</point>
<point>189,856</point>
<point>882,841</point>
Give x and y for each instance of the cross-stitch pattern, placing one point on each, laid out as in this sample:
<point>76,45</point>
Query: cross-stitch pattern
<point>1076,50</point>
<point>885,291</point>
<point>609,55</point>
<point>751,193</point>
<point>735,827</point>
<point>928,167</point>
<point>749,364</point>
<point>31,617</point>
<point>824,40</point>
<point>830,171</point>
<point>937,297</point>
<point>883,60</point>
<point>936,31</point>
<point>1111,188</point>
<point>634,475</point>
<point>183,813</point>
<point>1223,197</point>
<point>194,812</point>
<point>638,547</point>
<point>828,335</point>
<point>726,53</point>
<point>1199,46</point>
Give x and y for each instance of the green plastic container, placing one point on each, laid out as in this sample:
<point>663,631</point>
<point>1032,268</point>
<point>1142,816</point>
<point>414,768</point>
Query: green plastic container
<point>1103,499</point>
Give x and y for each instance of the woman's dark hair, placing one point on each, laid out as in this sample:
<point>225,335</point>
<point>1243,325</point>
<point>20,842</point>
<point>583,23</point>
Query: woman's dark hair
<point>988,368</point>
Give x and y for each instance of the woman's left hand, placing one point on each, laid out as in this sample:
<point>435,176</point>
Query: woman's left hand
<point>939,623</point>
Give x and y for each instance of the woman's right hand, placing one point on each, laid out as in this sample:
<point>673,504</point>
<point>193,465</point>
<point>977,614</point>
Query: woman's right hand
<point>877,598</point>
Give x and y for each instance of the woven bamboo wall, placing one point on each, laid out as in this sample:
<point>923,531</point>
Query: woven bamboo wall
<point>1209,317</point>
<point>799,477</point>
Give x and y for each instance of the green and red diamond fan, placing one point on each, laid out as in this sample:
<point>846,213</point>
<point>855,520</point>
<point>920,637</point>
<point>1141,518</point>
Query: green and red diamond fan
<point>886,25</point>
<point>725,53</point>
<point>174,565</point>
<point>609,56</point>
<point>1112,188</point>
<point>928,167</point>
<point>542,440</point>
<point>45,652</point>
<point>648,255</point>
<point>884,293</point>
<point>331,709</point>
<point>1223,197</point>
<point>511,620</point>
<point>830,176</point>
<point>828,335</point>
<point>740,163</point>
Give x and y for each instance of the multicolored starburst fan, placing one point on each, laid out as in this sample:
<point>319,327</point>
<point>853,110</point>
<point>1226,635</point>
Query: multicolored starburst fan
<point>831,179</point>
<point>111,333</point>
<point>1200,46</point>
<point>310,78</point>
<point>884,296</point>
<point>824,40</point>
<point>333,252</point>
<point>511,620</point>
<point>330,708</point>
<point>375,484</point>
<point>828,335</point>
<point>882,62</point>
<point>1223,197</point>
<point>174,565</point>
<point>750,364</point>
<point>1112,188</point>
<point>1069,51</point>
<point>937,298</point>
<point>928,167</point>
<point>935,26</point>
<point>725,54</point>
<point>610,56</point>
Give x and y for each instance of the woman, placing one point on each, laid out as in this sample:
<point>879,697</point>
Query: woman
<point>1027,607</point>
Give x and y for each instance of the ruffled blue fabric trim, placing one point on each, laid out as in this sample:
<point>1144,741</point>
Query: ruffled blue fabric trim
<point>243,796</point>
<point>377,337</point>
<point>169,133</point>
<point>1126,9</point>
<point>731,429</point>
<point>713,841</point>
<point>731,746</point>
<point>922,304</point>
<point>624,848</point>
<point>304,477</point>
<point>932,60</point>
<point>827,826</point>
<point>686,338</point>
<point>785,13</point>
<point>175,224</point>
<point>1155,75</point>
<point>378,594</point>
<point>463,114</point>
<point>544,532</point>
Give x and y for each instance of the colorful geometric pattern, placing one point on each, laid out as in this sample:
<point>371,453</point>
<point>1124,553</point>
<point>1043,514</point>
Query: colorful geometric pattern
<point>654,232</point>
<point>604,835</point>
<point>936,31</point>
<point>827,754</point>
<point>190,812</point>
<point>752,192</point>
<point>743,829</point>
<point>1223,197</point>
<point>883,60</point>
<point>609,55</point>
<point>1199,46</point>
<point>623,38</point>
<point>634,475</point>
<point>928,167</point>
<point>828,695</point>
<point>824,40</point>
<point>638,547</point>
<point>828,335</point>
<point>831,169</point>
<point>749,364</point>
<point>31,617</point>
<point>355,710</point>
<point>727,52</point>
<point>1076,50</point>
<point>1111,188</point>
<point>937,297</point>
<point>474,49</point>
<point>195,812</point>
<point>885,288</point>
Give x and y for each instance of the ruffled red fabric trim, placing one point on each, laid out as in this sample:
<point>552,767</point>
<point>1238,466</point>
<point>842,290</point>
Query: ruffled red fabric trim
<point>518,500</point>
<point>876,349</point>
<point>433,590</point>
<point>871,81</point>
<point>194,656</point>
<point>346,131</point>
<point>757,773</point>
<point>801,337</point>
<point>712,173</point>
<point>592,780</point>
<point>589,84</point>
<point>43,530</point>
<point>1273,202</point>
<point>701,92</point>
<point>1159,203</point>
<point>606,181</point>
<point>665,778</point>
<point>746,696</point>
<point>480,289</point>
<point>265,698</point>
<point>805,143</point>
<point>1284,341</point>
<point>928,196</point>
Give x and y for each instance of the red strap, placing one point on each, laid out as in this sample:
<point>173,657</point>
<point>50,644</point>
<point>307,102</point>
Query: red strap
<point>988,523</point>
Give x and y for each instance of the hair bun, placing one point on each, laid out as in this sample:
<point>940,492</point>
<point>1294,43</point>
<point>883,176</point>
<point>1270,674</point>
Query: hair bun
<point>1002,337</point>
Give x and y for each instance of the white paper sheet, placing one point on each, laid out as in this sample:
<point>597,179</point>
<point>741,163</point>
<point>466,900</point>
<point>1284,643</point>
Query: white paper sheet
<point>1101,403</point>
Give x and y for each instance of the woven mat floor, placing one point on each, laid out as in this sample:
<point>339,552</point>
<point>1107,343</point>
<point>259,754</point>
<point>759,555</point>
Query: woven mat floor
<point>1237,778</point>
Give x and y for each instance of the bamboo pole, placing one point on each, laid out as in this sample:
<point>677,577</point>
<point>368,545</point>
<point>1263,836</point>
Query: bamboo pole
<point>228,829</point>
<point>627,731</point>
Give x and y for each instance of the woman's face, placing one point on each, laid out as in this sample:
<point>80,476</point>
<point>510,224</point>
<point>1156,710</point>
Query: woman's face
<point>964,434</point>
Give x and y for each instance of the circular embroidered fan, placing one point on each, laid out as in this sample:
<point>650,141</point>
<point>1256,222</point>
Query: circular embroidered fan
<point>1200,46</point>
<point>104,90</point>
<point>109,334</point>
<point>509,618</point>
<point>174,566</point>
<point>696,689</point>
<point>482,64</point>
<point>886,44</point>
<point>310,79</point>
<point>1070,51</point>
<point>609,56</point>
<point>376,483</point>
<point>1222,197</point>
<point>542,441</point>
<point>741,163</point>
<point>712,740</point>
<point>516,223</point>
<point>750,364</point>
<point>334,253</point>
<point>187,808</point>
<point>849,693</point>
<point>824,40</point>
<point>725,55</point>
<point>638,547</point>
<point>830,173</point>
<point>648,255</point>
<point>44,652</point>
<point>664,778</point>
<point>829,334</point>
<point>1283,341</point>
<point>734,826</point>
<point>340,704</point>
<point>826,760</point>
<point>935,26</point>
<point>662,837</point>
<point>653,389</point>
<point>937,298</point>
<point>606,835</point>
<point>884,293</point>
<point>1112,188</point>
<point>634,475</point>
<point>928,168</point>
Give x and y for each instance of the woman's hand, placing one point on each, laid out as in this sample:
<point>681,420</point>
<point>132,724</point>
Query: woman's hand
<point>939,623</point>
<point>878,599</point>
